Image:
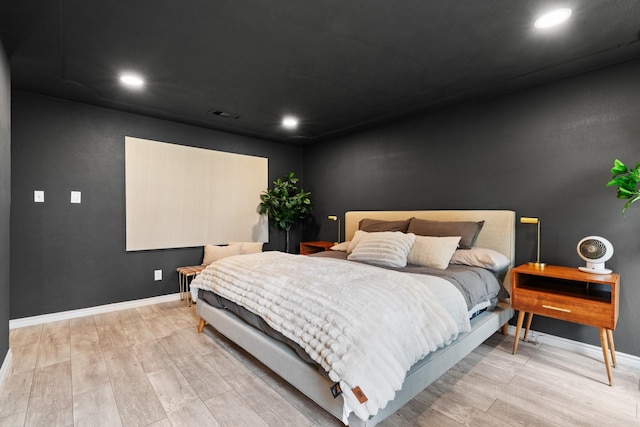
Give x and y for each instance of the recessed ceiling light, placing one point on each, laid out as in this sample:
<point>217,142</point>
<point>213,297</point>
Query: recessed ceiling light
<point>553,18</point>
<point>131,80</point>
<point>290,122</point>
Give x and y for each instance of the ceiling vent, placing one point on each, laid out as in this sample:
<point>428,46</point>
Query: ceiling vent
<point>224,114</point>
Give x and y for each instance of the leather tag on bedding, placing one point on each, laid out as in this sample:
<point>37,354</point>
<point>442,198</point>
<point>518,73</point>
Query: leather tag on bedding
<point>359,394</point>
<point>336,390</point>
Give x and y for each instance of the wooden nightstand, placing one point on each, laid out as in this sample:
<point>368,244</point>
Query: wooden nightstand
<point>307,248</point>
<point>568,294</point>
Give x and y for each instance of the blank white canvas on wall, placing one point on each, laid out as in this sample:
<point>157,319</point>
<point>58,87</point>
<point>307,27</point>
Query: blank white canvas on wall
<point>179,196</point>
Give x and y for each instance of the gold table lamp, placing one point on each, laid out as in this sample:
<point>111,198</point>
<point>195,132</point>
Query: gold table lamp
<point>531,220</point>
<point>336,218</point>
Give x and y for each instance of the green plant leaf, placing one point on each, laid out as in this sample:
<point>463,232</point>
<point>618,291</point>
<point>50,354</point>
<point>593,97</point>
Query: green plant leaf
<point>615,181</point>
<point>628,184</point>
<point>624,194</point>
<point>626,180</point>
<point>618,167</point>
<point>635,199</point>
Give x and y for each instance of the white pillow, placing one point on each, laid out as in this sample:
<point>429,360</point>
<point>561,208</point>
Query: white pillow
<point>248,247</point>
<point>387,248</point>
<point>359,234</point>
<point>342,247</point>
<point>213,253</point>
<point>481,257</point>
<point>435,252</point>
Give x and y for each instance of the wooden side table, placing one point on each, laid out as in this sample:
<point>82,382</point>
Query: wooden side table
<point>307,248</point>
<point>568,294</point>
<point>184,273</point>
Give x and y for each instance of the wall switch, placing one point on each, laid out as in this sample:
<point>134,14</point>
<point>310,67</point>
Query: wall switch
<point>38,196</point>
<point>157,275</point>
<point>76,197</point>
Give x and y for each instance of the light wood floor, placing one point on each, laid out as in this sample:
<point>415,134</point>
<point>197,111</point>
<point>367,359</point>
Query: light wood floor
<point>149,367</point>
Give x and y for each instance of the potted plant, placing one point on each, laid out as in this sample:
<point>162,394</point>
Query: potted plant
<point>627,181</point>
<point>284,204</point>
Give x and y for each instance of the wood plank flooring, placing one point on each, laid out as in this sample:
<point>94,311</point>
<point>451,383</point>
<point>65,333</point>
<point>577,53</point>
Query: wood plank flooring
<point>149,367</point>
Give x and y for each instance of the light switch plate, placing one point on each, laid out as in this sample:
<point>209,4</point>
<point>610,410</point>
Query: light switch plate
<point>157,275</point>
<point>76,197</point>
<point>38,196</point>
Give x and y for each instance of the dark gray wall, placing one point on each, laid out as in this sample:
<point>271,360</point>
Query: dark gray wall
<point>5,200</point>
<point>542,152</point>
<point>68,256</point>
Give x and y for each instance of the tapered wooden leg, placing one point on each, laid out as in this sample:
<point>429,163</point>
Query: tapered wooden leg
<point>516,339</point>
<point>201,325</point>
<point>605,351</point>
<point>612,347</point>
<point>526,329</point>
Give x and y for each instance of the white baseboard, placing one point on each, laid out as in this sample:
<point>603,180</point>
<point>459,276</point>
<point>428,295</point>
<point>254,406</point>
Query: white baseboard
<point>72,314</point>
<point>4,369</point>
<point>535,336</point>
<point>577,347</point>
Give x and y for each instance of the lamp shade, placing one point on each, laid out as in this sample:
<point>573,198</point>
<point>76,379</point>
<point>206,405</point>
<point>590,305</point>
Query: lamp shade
<point>529,220</point>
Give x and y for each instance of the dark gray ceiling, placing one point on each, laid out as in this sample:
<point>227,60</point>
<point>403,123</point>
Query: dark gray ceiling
<point>339,65</point>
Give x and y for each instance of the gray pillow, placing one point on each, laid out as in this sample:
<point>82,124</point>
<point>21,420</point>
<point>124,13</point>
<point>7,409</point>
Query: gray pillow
<point>376,225</point>
<point>467,230</point>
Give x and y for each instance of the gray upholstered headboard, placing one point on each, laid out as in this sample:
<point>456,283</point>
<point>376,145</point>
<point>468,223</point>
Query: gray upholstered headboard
<point>498,232</point>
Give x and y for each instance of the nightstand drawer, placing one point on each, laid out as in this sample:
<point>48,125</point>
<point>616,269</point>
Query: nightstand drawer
<point>586,312</point>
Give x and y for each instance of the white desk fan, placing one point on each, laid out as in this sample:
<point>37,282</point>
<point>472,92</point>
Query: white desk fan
<point>595,250</point>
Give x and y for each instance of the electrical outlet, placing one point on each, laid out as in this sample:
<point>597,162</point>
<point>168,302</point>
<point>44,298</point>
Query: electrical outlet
<point>157,275</point>
<point>38,196</point>
<point>76,197</point>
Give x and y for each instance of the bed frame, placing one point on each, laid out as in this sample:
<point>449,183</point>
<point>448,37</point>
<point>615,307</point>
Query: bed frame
<point>498,233</point>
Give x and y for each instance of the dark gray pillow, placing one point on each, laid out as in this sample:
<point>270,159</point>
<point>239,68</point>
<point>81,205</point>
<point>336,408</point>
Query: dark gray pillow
<point>467,230</point>
<point>376,225</point>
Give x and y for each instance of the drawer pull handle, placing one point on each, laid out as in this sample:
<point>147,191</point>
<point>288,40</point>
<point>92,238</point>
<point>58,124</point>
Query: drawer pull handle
<point>550,307</point>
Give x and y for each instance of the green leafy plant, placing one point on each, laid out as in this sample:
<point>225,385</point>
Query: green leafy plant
<point>285,205</point>
<point>626,180</point>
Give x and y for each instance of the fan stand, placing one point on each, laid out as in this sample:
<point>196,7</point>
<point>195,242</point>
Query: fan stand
<point>595,268</point>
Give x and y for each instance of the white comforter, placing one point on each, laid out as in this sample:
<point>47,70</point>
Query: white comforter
<point>365,325</point>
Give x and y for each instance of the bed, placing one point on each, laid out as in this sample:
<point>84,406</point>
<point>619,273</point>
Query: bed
<point>497,234</point>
